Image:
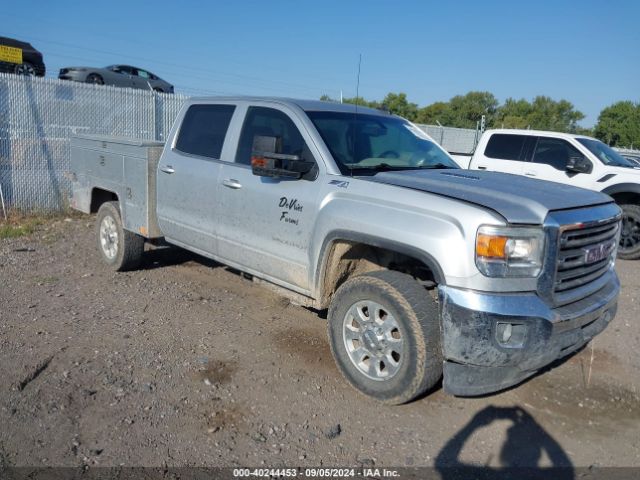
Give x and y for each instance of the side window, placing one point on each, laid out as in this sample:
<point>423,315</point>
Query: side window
<point>555,152</point>
<point>203,130</point>
<point>271,123</point>
<point>506,147</point>
<point>143,73</point>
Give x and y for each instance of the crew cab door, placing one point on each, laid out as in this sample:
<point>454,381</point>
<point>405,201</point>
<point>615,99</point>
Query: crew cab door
<point>549,162</point>
<point>502,153</point>
<point>264,223</point>
<point>188,174</point>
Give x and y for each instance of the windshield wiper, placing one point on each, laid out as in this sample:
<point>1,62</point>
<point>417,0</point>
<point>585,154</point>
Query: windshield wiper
<point>438,166</point>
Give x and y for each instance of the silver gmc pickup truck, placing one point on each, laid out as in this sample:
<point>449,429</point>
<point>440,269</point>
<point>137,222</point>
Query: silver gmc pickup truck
<point>427,270</point>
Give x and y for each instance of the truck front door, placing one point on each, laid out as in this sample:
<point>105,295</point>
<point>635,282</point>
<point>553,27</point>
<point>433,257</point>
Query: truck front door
<point>265,224</point>
<point>549,162</point>
<point>187,177</point>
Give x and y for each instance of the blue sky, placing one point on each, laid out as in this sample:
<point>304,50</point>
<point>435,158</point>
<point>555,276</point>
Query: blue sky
<point>584,51</point>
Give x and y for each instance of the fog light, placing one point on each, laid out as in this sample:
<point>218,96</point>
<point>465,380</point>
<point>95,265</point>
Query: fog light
<point>511,335</point>
<point>507,330</point>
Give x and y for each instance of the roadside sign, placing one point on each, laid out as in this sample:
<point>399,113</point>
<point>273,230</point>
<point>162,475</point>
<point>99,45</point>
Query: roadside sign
<point>10,54</point>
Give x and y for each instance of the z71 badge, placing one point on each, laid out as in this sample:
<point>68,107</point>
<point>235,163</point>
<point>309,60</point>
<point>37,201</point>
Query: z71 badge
<point>339,183</point>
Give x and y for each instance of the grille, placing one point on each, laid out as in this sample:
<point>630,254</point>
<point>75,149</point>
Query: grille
<point>585,254</point>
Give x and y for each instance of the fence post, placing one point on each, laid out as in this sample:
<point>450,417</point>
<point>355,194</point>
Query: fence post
<point>4,210</point>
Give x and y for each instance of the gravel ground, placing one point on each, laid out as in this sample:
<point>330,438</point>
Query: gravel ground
<point>185,363</point>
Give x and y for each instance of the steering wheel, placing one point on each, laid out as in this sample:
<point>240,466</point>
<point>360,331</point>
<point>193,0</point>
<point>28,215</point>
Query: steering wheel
<point>390,154</point>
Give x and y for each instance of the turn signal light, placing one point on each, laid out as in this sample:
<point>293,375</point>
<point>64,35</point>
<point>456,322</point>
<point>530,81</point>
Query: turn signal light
<point>491,246</point>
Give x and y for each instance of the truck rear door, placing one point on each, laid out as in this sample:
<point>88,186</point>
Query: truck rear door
<point>265,224</point>
<point>503,153</point>
<point>188,174</point>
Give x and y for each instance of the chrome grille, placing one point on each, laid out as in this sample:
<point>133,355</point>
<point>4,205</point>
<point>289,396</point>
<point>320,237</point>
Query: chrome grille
<point>585,254</point>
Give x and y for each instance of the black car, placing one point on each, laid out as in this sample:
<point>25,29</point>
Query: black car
<point>20,57</point>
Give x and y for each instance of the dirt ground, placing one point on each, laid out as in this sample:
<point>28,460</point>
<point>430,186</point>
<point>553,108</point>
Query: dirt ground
<point>186,363</point>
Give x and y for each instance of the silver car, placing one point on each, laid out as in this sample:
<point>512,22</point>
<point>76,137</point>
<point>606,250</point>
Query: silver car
<point>117,75</point>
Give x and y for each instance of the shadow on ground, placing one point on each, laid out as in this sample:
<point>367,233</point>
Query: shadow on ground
<point>520,455</point>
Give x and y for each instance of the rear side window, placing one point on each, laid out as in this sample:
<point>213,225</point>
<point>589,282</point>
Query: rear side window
<point>506,147</point>
<point>203,130</point>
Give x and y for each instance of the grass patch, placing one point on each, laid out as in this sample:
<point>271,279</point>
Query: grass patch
<point>49,280</point>
<point>19,226</point>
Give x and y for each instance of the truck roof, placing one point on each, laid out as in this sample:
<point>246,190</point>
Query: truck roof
<point>307,105</point>
<point>542,133</point>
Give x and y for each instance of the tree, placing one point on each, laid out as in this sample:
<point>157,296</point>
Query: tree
<point>398,104</point>
<point>543,113</point>
<point>467,110</point>
<point>438,112</point>
<point>619,124</point>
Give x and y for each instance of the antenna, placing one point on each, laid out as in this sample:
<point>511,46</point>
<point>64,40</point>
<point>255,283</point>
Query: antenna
<point>358,82</point>
<point>355,115</point>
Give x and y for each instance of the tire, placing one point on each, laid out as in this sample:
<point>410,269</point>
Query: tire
<point>397,299</point>
<point>26,69</point>
<point>95,79</point>
<point>629,247</point>
<point>119,248</point>
<point>159,90</point>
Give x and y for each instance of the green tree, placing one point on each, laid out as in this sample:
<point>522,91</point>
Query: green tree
<point>619,124</point>
<point>362,102</point>
<point>467,110</point>
<point>543,113</point>
<point>438,112</point>
<point>398,104</point>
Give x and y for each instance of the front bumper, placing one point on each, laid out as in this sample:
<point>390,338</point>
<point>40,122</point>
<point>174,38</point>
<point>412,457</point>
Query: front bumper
<point>493,341</point>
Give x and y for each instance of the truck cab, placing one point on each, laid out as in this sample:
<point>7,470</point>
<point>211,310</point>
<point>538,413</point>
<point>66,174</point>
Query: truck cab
<point>575,160</point>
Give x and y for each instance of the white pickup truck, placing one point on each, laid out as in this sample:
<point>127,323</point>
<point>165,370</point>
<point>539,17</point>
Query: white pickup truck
<point>570,159</point>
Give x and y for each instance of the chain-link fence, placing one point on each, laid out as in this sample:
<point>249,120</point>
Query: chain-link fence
<point>454,140</point>
<point>38,117</point>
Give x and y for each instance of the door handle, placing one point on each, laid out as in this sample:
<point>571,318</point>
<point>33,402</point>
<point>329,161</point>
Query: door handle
<point>167,169</point>
<point>530,174</point>
<point>232,183</point>
<point>481,167</point>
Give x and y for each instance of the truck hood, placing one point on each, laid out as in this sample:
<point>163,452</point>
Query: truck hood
<point>517,198</point>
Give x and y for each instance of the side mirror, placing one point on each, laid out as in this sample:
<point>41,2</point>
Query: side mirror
<point>578,165</point>
<point>265,162</point>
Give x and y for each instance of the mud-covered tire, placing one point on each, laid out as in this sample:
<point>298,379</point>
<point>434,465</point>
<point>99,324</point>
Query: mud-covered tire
<point>417,318</point>
<point>629,248</point>
<point>119,248</point>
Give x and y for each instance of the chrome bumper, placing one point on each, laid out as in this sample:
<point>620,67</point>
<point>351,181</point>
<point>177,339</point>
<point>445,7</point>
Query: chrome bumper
<point>493,341</point>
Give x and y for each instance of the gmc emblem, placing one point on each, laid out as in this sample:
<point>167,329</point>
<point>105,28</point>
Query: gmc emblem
<point>595,254</point>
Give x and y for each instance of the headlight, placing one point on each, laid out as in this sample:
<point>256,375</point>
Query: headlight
<point>509,251</point>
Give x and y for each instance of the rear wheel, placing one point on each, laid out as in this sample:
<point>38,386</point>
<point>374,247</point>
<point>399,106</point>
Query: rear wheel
<point>95,79</point>
<point>384,334</point>
<point>25,69</point>
<point>120,249</point>
<point>629,248</point>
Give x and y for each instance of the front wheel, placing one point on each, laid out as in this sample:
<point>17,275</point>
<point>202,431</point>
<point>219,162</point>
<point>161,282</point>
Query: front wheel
<point>384,334</point>
<point>120,249</point>
<point>95,79</point>
<point>629,247</point>
<point>25,69</point>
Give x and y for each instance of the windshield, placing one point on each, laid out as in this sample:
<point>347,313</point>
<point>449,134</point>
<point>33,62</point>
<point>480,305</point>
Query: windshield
<point>371,143</point>
<point>606,154</point>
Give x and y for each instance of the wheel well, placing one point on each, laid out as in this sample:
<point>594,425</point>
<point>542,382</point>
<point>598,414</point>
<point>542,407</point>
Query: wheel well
<point>100,196</point>
<point>346,259</point>
<point>626,198</point>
